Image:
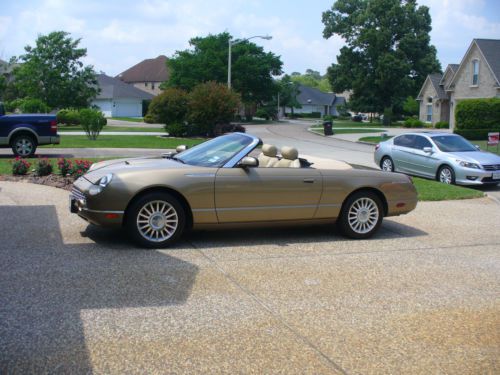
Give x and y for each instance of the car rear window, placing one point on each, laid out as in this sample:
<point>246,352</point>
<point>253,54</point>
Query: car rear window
<point>405,140</point>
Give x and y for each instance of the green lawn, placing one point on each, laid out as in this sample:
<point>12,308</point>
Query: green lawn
<point>123,141</point>
<point>374,140</point>
<point>351,124</point>
<point>429,190</point>
<point>131,119</point>
<point>319,130</point>
<point>69,129</point>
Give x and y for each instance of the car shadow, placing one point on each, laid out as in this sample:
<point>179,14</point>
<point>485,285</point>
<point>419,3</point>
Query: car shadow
<point>45,284</point>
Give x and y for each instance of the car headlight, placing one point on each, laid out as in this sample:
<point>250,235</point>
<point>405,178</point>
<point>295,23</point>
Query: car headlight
<point>104,181</point>
<point>467,164</point>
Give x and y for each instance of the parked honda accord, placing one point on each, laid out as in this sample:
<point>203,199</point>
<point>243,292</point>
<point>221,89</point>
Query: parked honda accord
<point>448,158</point>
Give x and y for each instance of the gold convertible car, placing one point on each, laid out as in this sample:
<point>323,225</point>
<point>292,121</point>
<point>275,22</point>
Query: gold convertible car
<point>217,184</point>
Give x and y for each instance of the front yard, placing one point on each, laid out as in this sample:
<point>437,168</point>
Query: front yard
<point>123,141</point>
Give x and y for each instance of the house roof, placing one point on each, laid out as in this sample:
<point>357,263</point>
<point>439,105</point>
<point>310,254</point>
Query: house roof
<point>450,68</point>
<point>491,52</point>
<point>113,88</point>
<point>310,95</point>
<point>149,70</point>
<point>434,79</point>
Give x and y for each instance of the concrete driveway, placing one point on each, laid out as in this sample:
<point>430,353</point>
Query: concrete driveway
<point>421,297</point>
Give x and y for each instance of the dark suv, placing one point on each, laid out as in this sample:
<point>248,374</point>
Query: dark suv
<point>23,133</point>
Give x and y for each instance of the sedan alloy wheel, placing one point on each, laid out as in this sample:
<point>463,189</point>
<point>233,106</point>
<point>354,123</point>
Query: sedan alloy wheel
<point>387,164</point>
<point>446,175</point>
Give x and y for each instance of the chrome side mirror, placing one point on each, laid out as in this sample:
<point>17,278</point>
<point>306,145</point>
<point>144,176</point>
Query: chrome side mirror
<point>478,148</point>
<point>248,162</point>
<point>428,150</point>
<point>181,148</point>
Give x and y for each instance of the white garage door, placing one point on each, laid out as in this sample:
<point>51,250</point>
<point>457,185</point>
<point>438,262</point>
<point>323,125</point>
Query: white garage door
<point>127,108</point>
<point>105,106</point>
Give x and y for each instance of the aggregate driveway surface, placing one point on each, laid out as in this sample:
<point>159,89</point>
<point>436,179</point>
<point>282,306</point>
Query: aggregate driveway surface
<point>423,296</point>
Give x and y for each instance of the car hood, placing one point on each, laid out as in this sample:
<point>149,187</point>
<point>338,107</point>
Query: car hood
<point>479,157</point>
<point>126,165</point>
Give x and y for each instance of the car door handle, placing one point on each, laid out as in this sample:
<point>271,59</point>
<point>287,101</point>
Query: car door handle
<point>309,180</point>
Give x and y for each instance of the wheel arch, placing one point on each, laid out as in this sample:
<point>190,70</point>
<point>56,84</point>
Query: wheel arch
<point>22,131</point>
<point>440,166</point>
<point>376,191</point>
<point>163,189</point>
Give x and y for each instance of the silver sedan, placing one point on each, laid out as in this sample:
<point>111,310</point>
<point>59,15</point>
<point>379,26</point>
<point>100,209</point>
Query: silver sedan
<point>448,158</point>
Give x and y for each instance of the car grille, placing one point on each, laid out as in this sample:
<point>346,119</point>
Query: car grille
<point>492,167</point>
<point>77,194</point>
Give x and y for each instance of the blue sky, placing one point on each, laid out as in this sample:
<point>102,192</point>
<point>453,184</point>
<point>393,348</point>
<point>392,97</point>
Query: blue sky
<point>118,34</point>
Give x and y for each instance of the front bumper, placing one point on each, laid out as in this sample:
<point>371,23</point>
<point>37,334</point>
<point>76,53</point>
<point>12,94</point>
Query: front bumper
<point>79,204</point>
<point>469,176</point>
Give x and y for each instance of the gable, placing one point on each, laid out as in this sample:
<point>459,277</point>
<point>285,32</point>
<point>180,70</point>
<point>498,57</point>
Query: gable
<point>427,89</point>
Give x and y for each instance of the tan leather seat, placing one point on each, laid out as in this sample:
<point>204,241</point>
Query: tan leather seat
<point>268,156</point>
<point>290,158</point>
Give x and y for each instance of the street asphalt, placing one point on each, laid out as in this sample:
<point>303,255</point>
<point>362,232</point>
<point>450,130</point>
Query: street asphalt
<point>421,297</point>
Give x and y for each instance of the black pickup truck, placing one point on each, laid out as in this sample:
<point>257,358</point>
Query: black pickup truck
<point>23,133</point>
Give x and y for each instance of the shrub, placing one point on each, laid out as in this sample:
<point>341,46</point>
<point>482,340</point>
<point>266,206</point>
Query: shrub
<point>79,168</point>
<point>149,119</point>
<point>310,115</point>
<point>413,123</point>
<point>411,106</point>
<point>33,106</point>
<point>442,125</point>
<point>478,113</point>
<point>92,122</point>
<point>476,134</point>
<point>211,104</point>
<point>329,118</point>
<point>262,113</point>
<point>176,130</point>
<point>65,166</point>
<point>170,107</point>
<point>20,166</point>
<point>228,128</point>
<point>13,105</point>
<point>68,117</point>
<point>43,167</point>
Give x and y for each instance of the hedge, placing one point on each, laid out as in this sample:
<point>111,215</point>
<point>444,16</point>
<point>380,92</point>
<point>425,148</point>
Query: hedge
<point>476,134</point>
<point>478,114</point>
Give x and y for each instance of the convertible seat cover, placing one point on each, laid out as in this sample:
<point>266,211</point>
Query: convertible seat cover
<point>290,158</point>
<point>268,156</point>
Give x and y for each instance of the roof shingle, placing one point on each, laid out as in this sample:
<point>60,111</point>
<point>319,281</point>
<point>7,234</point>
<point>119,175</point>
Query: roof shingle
<point>149,70</point>
<point>112,88</point>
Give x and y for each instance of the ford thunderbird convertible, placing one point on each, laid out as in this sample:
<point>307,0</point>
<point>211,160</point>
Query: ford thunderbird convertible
<point>219,183</point>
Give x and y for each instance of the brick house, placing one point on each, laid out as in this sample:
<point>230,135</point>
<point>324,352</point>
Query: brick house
<point>147,75</point>
<point>477,76</point>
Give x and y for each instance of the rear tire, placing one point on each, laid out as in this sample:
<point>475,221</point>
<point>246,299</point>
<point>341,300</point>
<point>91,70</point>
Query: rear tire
<point>361,215</point>
<point>386,164</point>
<point>446,175</point>
<point>23,145</point>
<point>155,220</point>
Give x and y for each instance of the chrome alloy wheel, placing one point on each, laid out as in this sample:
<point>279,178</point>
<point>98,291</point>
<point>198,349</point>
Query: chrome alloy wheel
<point>363,215</point>
<point>387,165</point>
<point>445,176</point>
<point>24,146</point>
<point>157,221</point>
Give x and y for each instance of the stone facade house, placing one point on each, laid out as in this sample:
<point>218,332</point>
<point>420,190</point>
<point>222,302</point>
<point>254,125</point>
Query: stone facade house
<point>477,76</point>
<point>147,75</point>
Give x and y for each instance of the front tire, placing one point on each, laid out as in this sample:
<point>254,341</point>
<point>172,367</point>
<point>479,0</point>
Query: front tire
<point>155,220</point>
<point>361,215</point>
<point>23,145</point>
<point>446,175</point>
<point>387,164</point>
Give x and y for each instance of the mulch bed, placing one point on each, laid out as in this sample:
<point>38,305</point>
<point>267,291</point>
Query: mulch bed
<point>53,180</point>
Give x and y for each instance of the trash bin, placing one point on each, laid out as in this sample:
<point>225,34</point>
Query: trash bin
<point>327,127</point>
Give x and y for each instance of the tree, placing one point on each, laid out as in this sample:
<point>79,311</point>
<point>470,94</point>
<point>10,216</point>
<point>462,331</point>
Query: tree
<point>53,72</point>
<point>411,106</point>
<point>252,68</point>
<point>211,104</point>
<point>312,78</point>
<point>388,52</point>
<point>288,90</point>
<point>3,85</point>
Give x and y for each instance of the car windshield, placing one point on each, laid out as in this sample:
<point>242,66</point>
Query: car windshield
<point>453,143</point>
<point>216,152</point>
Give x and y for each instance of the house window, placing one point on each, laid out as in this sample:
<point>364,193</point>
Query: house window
<point>475,72</point>
<point>429,113</point>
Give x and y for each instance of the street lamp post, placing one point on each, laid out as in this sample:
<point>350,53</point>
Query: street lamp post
<point>232,43</point>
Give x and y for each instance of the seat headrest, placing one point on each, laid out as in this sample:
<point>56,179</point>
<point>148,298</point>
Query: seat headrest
<point>289,153</point>
<point>269,150</point>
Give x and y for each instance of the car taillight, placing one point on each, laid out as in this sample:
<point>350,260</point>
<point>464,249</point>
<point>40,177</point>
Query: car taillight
<point>53,126</point>
<point>377,147</point>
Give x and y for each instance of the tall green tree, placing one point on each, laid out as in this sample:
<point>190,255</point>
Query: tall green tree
<point>312,78</point>
<point>387,54</point>
<point>52,71</point>
<point>252,68</point>
<point>288,90</point>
